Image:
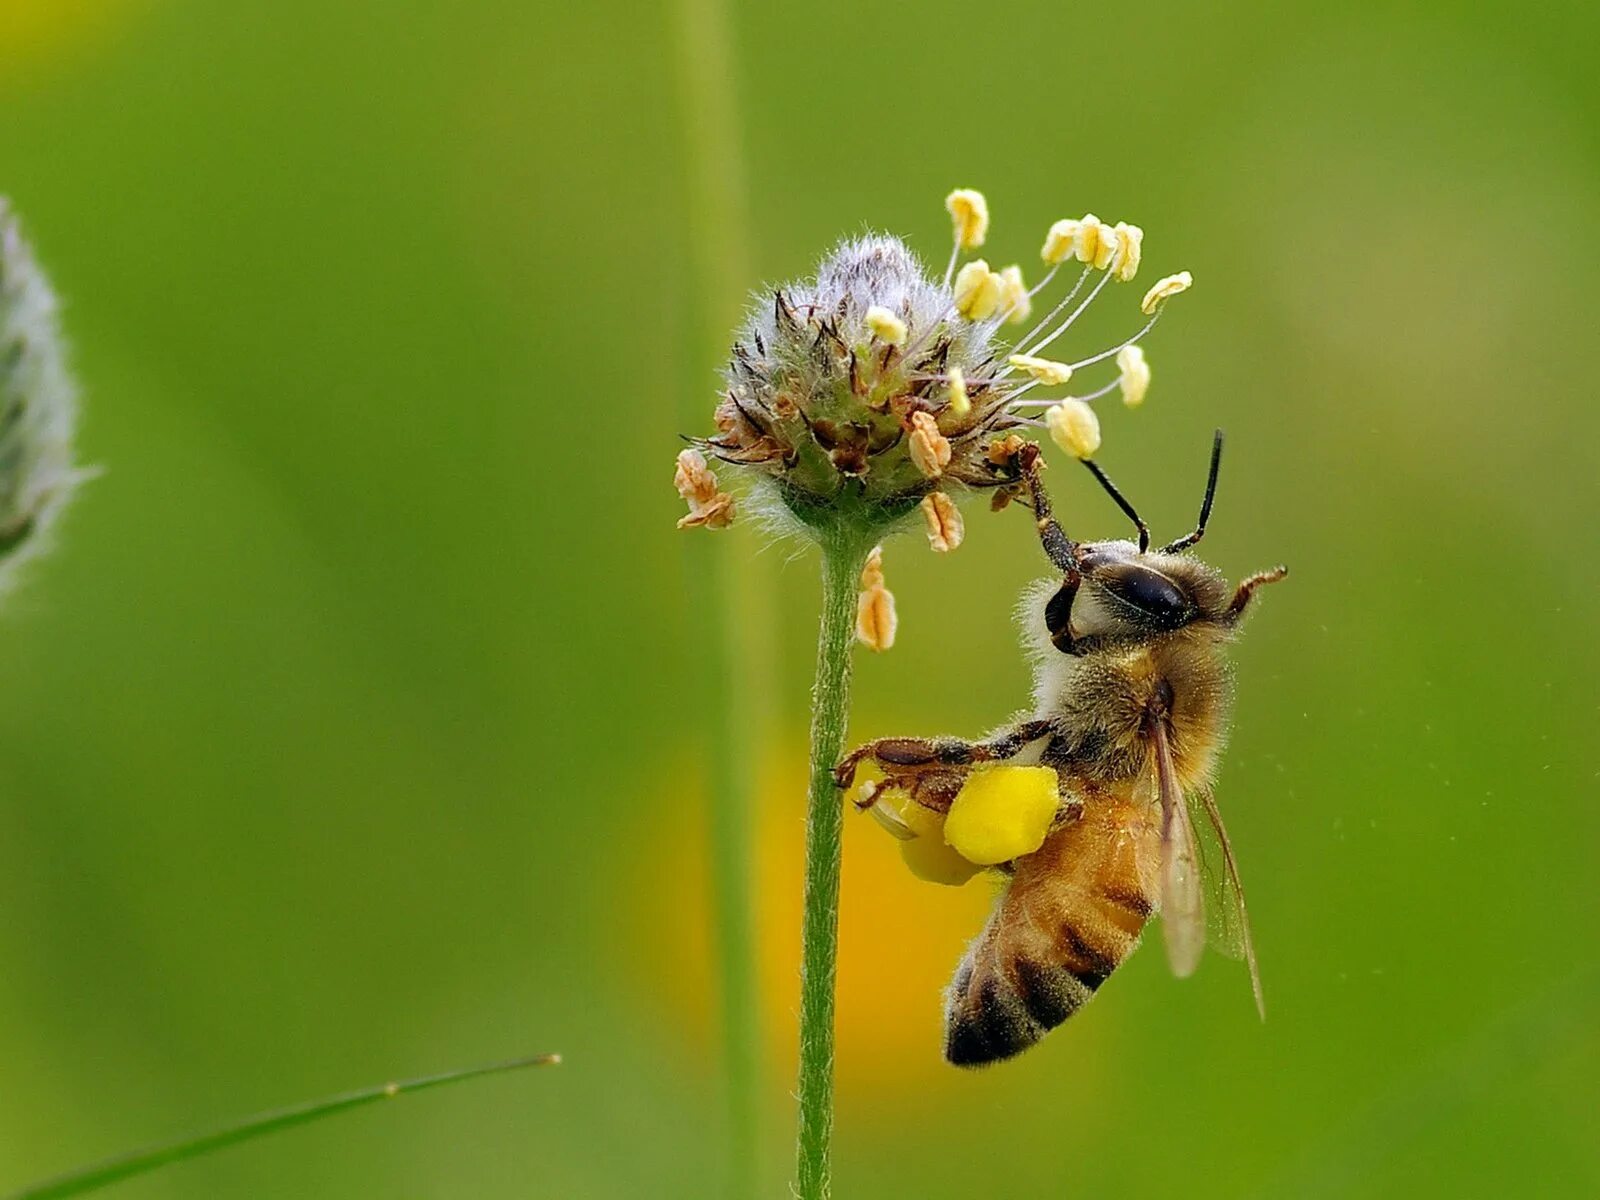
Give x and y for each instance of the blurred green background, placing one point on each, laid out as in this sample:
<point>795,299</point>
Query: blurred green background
<point>355,728</point>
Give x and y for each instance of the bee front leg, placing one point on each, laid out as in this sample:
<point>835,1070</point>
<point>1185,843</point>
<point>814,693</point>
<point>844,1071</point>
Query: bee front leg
<point>913,752</point>
<point>1058,547</point>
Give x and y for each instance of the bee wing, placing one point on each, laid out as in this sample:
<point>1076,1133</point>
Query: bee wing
<point>1227,915</point>
<point>1183,915</point>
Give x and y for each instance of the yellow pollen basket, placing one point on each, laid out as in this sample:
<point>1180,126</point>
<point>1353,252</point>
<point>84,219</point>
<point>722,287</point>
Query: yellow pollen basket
<point>921,834</point>
<point>1002,812</point>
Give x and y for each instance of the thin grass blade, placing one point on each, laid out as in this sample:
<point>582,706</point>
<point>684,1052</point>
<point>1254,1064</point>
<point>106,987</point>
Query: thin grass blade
<point>113,1170</point>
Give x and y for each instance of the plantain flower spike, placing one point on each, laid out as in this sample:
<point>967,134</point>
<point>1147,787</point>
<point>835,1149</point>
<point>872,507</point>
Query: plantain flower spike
<point>38,406</point>
<point>853,395</point>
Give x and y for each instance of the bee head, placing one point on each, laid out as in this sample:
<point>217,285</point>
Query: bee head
<point>1122,591</point>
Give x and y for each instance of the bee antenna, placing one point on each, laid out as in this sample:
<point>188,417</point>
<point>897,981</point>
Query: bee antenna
<point>1122,502</point>
<point>1190,539</point>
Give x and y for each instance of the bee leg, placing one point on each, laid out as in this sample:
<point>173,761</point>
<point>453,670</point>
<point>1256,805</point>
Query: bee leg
<point>902,752</point>
<point>1058,547</point>
<point>1247,588</point>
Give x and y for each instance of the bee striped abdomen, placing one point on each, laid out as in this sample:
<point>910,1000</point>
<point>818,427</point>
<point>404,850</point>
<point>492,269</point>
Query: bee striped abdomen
<point>1071,914</point>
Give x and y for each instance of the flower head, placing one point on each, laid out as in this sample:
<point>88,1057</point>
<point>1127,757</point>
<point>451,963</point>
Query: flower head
<point>852,396</point>
<point>38,405</point>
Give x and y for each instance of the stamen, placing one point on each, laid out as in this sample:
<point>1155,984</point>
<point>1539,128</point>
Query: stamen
<point>885,326</point>
<point>1164,289</point>
<point>1130,242</point>
<point>1083,278</point>
<point>1074,427</point>
<point>943,520</point>
<point>1119,347</point>
<point>959,402</point>
<point>950,267</point>
<point>1094,395</point>
<point>977,291</point>
<point>930,449</point>
<point>1076,313</point>
<point>875,613</point>
<point>1135,375</point>
<point>1016,302</point>
<point>1095,242</point>
<point>1045,282</point>
<point>969,212</point>
<point>1045,370</point>
<point>1059,242</point>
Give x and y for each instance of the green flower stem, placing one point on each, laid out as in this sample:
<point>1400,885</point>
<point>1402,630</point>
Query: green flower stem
<point>843,555</point>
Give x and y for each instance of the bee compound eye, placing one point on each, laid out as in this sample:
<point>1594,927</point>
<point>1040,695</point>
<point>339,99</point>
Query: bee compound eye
<point>1151,592</point>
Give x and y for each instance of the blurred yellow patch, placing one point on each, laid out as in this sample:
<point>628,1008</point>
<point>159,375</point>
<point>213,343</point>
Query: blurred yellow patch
<point>1002,812</point>
<point>40,30</point>
<point>899,940</point>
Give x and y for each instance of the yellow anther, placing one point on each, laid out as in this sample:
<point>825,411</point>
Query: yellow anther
<point>1060,243</point>
<point>1046,370</point>
<point>696,483</point>
<point>929,448</point>
<point>885,326</point>
<point>1074,427</point>
<point>1002,812</point>
<point>960,404</point>
<point>943,518</point>
<point>1014,299</point>
<point>970,213</point>
<point>876,621</point>
<point>977,290</point>
<point>1135,378</point>
<point>1130,243</point>
<point>1164,288</point>
<point>1096,242</point>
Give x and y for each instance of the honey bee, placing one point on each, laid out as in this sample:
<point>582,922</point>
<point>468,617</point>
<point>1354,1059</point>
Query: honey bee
<point>1131,695</point>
